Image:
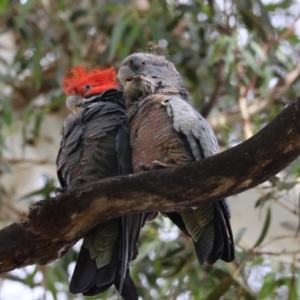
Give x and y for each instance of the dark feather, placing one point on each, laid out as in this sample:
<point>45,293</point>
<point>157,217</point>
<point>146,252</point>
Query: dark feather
<point>96,145</point>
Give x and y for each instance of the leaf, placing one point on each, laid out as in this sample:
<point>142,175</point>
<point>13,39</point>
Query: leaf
<point>265,229</point>
<point>155,31</point>
<point>3,5</point>
<point>50,281</point>
<point>283,185</point>
<point>240,234</point>
<point>229,58</point>
<point>258,50</point>
<point>7,112</point>
<point>221,289</point>
<point>265,19</point>
<point>24,11</point>
<point>45,191</point>
<point>298,229</point>
<point>56,102</point>
<point>28,112</point>
<point>37,69</point>
<point>5,168</point>
<point>251,61</point>
<point>130,40</point>
<point>75,41</point>
<point>263,199</point>
<point>29,280</point>
<point>37,124</point>
<point>78,14</point>
<point>62,4</point>
<point>116,36</point>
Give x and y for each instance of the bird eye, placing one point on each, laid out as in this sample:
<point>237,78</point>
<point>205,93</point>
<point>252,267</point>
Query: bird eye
<point>86,88</point>
<point>144,63</point>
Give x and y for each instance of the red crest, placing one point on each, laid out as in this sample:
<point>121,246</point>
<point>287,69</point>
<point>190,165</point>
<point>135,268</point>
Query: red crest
<point>84,82</point>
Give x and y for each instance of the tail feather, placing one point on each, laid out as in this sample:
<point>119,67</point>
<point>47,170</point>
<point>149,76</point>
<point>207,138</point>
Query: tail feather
<point>84,265</point>
<point>210,230</point>
<point>218,245</point>
<point>130,230</point>
<point>228,253</point>
<point>200,225</point>
<point>91,281</point>
<point>223,244</point>
<point>205,244</point>
<point>124,253</point>
<point>128,291</point>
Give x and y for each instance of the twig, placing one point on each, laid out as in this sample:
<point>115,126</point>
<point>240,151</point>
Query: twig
<point>258,105</point>
<point>216,93</point>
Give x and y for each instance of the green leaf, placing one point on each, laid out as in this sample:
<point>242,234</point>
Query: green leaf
<point>239,235</point>
<point>3,5</point>
<point>78,14</point>
<point>45,191</point>
<point>29,280</point>
<point>28,112</point>
<point>258,50</point>
<point>116,35</point>
<point>263,199</point>
<point>221,289</point>
<point>130,40</point>
<point>24,11</point>
<point>251,61</point>
<point>265,229</point>
<point>298,228</point>
<point>155,31</point>
<point>37,69</point>
<point>5,168</point>
<point>7,112</point>
<point>75,42</point>
<point>37,124</point>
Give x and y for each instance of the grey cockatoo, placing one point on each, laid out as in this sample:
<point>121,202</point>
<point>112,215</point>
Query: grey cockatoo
<point>95,145</point>
<point>167,131</point>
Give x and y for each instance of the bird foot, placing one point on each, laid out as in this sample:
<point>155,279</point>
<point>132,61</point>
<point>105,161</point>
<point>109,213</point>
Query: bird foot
<point>60,190</point>
<point>155,165</point>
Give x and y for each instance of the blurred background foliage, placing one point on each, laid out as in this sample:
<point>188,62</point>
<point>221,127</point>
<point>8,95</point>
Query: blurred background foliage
<point>240,63</point>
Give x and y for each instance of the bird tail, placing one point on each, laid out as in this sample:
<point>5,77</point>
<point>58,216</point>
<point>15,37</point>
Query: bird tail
<point>223,239</point>
<point>88,279</point>
<point>216,242</point>
<point>210,229</point>
<point>130,231</point>
<point>91,281</point>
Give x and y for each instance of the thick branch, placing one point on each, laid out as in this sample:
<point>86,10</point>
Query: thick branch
<point>56,223</point>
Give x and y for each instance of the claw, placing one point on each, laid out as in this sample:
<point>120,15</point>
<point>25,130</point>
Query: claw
<point>158,165</point>
<point>60,190</point>
<point>141,167</point>
<point>155,165</point>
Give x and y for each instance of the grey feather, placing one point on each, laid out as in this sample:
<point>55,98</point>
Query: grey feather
<point>211,239</point>
<point>189,122</point>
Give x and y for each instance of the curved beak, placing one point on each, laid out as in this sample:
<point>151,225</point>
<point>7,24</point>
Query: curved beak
<point>125,75</point>
<point>74,102</point>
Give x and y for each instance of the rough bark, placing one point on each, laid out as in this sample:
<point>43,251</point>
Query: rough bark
<point>54,224</point>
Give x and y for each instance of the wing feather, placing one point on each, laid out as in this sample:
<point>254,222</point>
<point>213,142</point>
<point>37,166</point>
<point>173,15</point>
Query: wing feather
<point>208,225</point>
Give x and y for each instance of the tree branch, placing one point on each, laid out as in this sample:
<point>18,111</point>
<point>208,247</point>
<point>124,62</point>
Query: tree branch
<point>216,92</point>
<point>54,224</point>
<point>259,105</point>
